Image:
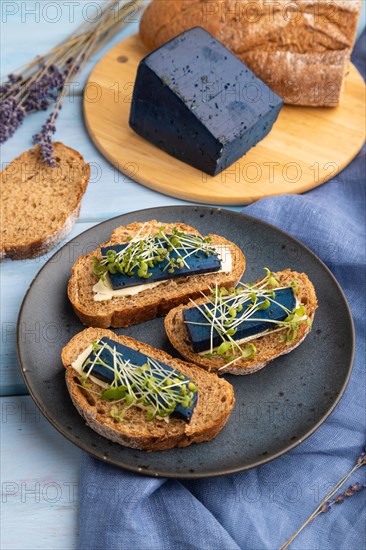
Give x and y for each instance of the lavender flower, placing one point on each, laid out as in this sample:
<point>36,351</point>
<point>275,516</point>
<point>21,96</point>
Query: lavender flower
<point>14,78</point>
<point>326,507</point>
<point>339,499</point>
<point>4,88</point>
<point>39,94</point>
<point>362,458</point>
<point>21,98</point>
<point>10,86</point>
<point>11,117</point>
<point>44,139</point>
<point>24,96</point>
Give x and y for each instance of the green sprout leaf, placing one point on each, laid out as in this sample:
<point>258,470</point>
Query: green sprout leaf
<point>224,348</point>
<point>249,351</point>
<point>300,311</point>
<point>114,394</point>
<point>273,282</point>
<point>295,287</point>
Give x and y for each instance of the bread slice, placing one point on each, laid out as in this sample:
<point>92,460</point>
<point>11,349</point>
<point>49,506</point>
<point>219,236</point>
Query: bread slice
<point>40,204</point>
<point>300,49</point>
<point>268,347</point>
<point>148,304</point>
<point>215,402</point>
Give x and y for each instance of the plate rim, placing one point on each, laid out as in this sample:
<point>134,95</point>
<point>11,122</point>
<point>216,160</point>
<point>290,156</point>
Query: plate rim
<point>188,475</point>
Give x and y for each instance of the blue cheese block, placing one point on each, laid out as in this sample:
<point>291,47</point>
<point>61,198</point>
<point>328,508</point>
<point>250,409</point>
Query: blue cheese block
<point>198,263</point>
<point>198,102</point>
<point>136,358</point>
<point>200,335</point>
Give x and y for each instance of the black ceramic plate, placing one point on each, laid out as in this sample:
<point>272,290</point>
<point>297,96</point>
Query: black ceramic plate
<point>276,408</point>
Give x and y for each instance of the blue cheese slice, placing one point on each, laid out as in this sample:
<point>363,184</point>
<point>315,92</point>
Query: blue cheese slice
<point>199,330</point>
<point>194,264</point>
<point>102,372</point>
<point>198,102</point>
<point>103,290</point>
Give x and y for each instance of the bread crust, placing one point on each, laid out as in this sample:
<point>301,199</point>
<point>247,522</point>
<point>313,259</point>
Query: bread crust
<point>149,304</point>
<point>33,247</point>
<point>268,347</point>
<point>301,49</point>
<point>215,402</point>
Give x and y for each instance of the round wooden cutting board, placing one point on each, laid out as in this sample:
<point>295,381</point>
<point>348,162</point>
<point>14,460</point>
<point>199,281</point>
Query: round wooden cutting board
<point>306,147</point>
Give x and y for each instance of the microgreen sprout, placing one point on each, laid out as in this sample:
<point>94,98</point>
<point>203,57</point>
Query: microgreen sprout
<point>142,253</point>
<point>149,386</point>
<point>227,309</point>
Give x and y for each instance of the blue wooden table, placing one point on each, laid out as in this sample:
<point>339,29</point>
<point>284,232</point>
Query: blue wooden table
<point>39,468</point>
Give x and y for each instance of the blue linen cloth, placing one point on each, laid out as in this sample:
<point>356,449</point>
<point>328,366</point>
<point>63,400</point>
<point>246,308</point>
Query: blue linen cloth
<point>261,508</point>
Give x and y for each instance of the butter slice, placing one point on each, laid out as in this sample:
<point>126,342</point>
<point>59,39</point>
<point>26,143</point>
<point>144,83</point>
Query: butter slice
<point>77,365</point>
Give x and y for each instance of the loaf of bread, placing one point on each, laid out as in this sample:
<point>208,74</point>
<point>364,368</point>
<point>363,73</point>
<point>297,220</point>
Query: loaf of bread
<point>215,401</point>
<point>301,49</point>
<point>125,311</point>
<point>40,204</point>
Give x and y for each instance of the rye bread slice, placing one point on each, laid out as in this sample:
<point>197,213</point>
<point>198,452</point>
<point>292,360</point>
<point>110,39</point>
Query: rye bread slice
<point>40,204</point>
<point>215,402</point>
<point>268,347</point>
<point>131,310</point>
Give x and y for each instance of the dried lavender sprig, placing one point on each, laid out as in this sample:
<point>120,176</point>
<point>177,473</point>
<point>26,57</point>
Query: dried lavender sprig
<point>43,81</point>
<point>106,18</point>
<point>44,64</point>
<point>25,78</point>
<point>341,497</point>
<point>38,97</point>
<point>44,138</point>
<point>349,492</point>
<point>74,39</point>
<point>327,503</point>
